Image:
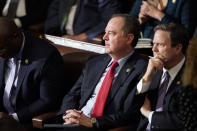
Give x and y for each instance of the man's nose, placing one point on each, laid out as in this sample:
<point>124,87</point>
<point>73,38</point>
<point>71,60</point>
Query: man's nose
<point>155,49</point>
<point>105,37</point>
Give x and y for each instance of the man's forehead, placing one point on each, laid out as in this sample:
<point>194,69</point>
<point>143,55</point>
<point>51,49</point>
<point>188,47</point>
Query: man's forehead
<point>114,24</point>
<point>116,21</point>
<point>160,34</point>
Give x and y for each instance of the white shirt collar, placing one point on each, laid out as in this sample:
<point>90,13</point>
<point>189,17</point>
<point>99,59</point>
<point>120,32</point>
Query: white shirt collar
<point>122,61</point>
<point>174,70</point>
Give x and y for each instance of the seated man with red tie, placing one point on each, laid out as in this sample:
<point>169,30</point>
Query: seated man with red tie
<point>104,95</point>
<point>162,79</point>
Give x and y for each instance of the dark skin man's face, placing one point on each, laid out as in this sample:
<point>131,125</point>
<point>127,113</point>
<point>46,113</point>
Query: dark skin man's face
<point>8,46</point>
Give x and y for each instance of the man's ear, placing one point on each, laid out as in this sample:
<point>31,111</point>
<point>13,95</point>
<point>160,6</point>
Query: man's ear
<point>130,38</point>
<point>179,48</point>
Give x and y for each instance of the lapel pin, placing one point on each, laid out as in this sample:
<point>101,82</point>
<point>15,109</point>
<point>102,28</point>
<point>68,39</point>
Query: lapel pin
<point>128,70</point>
<point>178,82</point>
<point>26,61</point>
<point>173,1</point>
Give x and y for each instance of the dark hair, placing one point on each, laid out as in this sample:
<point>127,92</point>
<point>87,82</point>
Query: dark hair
<point>178,34</point>
<point>131,26</point>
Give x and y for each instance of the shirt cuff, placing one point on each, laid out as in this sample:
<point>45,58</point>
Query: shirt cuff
<point>18,22</point>
<point>142,87</point>
<point>150,116</point>
<point>14,115</point>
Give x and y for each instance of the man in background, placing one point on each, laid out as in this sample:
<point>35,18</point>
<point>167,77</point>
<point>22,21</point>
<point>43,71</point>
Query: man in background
<point>31,74</point>
<point>27,14</point>
<point>81,20</point>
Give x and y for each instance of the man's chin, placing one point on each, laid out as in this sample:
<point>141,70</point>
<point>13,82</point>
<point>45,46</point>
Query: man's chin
<point>106,49</point>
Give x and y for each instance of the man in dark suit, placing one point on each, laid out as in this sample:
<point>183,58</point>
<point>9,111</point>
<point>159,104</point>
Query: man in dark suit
<point>31,74</point>
<point>80,19</point>
<point>29,14</point>
<point>120,106</point>
<point>163,79</point>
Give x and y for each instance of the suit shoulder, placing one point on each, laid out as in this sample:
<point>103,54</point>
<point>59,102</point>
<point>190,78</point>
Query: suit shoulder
<point>41,46</point>
<point>141,58</point>
<point>97,57</point>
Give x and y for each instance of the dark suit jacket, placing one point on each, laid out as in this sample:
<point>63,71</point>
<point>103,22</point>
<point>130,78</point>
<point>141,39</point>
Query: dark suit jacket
<point>166,120</point>
<point>180,11</point>
<point>121,105</point>
<point>36,11</point>
<point>91,16</point>
<point>40,86</point>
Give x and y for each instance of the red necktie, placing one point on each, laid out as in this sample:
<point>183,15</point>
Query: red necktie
<point>103,93</point>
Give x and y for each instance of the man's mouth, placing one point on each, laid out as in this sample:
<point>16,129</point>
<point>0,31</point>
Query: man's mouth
<point>106,45</point>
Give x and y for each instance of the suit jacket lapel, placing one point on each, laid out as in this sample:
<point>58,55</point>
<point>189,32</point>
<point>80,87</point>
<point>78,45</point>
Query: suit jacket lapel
<point>25,61</point>
<point>95,77</point>
<point>1,72</point>
<point>2,86</point>
<point>176,82</point>
<point>124,73</point>
<point>155,84</point>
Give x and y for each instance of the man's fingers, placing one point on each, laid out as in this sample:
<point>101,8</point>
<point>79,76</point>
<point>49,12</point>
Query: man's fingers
<point>71,121</point>
<point>157,63</point>
<point>72,114</point>
<point>74,110</point>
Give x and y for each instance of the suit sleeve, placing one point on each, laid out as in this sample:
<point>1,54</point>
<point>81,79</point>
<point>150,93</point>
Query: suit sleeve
<point>36,12</point>
<point>182,14</point>
<point>52,24</point>
<point>185,17</point>
<point>50,88</point>
<point>136,8</point>
<point>106,8</point>
<point>165,120</point>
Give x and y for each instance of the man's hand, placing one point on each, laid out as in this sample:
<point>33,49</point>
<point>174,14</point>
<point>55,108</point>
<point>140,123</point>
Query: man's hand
<point>76,117</point>
<point>151,11</point>
<point>154,63</point>
<point>146,108</point>
<point>80,37</point>
<point>142,17</point>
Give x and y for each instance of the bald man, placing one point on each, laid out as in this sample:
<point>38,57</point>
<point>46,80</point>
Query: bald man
<point>31,73</point>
